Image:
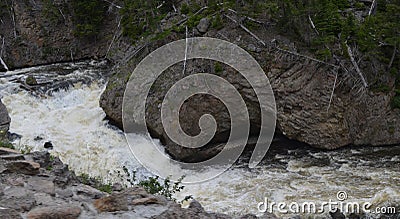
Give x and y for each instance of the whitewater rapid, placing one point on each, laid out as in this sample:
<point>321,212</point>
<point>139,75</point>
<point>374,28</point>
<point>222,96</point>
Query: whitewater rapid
<point>74,123</point>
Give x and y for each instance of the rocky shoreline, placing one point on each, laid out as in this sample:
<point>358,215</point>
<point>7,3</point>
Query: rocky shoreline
<point>38,186</point>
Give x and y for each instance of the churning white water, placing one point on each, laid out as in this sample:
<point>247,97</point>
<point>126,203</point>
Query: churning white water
<point>365,174</point>
<point>74,123</point>
<point>72,120</point>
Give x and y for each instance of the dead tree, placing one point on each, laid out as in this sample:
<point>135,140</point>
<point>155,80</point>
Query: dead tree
<point>357,69</point>
<point>1,54</point>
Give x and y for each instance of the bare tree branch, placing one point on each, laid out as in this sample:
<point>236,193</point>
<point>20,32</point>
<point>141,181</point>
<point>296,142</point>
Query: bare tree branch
<point>393,56</point>
<point>333,90</point>
<point>247,17</point>
<point>72,55</point>
<point>307,57</point>
<point>247,30</point>
<point>62,14</point>
<point>198,12</point>
<point>353,61</point>
<point>113,4</point>
<point>115,35</point>
<point>312,24</point>
<point>186,51</point>
<point>1,54</point>
<point>372,7</point>
<point>13,19</point>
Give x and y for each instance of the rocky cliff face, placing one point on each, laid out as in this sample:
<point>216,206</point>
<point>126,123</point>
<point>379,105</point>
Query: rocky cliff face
<point>42,32</point>
<point>303,91</point>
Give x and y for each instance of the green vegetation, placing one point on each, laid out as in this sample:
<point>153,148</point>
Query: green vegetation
<point>4,9</point>
<point>396,100</point>
<point>185,8</point>
<point>6,144</point>
<point>166,188</point>
<point>161,35</point>
<point>88,17</point>
<point>84,178</point>
<point>26,149</point>
<point>51,12</point>
<point>193,20</point>
<point>140,18</point>
<point>337,23</point>
<point>381,88</point>
<point>154,185</point>
<point>95,182</point>
<point>218,67</point>
<point>31,80</point>
<point>105,188</point>
<point>217,22</point>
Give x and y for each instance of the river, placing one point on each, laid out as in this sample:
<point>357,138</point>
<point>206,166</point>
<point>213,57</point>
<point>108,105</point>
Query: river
<point>71,119</point>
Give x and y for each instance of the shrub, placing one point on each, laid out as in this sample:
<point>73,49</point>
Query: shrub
<point>50,11</point>
<point>185,8</point>
<point>396,102</point>
<point>141,18</point>
<point>95,182</point>
<point>88,17</point>
<point>6,144</point>
<point>154,185</point>
<point>166,188</point>
<point>217,22</point>
<point>26,149</point>
<point>193,21</point>
<point>218,67</point>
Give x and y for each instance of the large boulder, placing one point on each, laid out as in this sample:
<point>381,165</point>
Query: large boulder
<point>111,102</point>
<point>5,120</point>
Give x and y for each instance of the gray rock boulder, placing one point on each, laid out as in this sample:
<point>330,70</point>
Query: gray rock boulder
<point>23,167</point>
<point>5,120</point>
<point>203,25</point>
<point>9,214</point>
<point>56,212</point>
